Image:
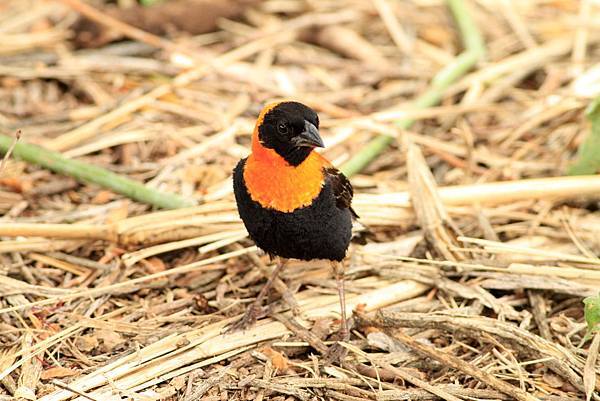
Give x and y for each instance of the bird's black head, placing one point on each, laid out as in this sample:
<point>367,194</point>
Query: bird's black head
<point>292,130</point>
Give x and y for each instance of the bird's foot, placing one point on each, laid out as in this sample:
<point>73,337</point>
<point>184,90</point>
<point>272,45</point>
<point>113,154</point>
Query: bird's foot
<point>336,354</point>
<point>290,300</point>
<point>296,311</point>
<point>253,312</point>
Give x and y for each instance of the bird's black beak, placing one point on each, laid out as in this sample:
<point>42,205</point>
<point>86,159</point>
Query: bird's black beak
<point>309,137</point>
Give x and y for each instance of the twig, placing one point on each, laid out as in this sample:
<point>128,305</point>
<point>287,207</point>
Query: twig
<point>486,193</point>
<point>581,35</point>
<point>498,192</point>
<point>557,358</point>
<point>302,333</point>
<point>92,174</point>
<point>386,13</point>
<point>450,360</point>
<point>589,372</point>
<point>167,355</point>
<point>119,26</point>
<point>418,382</point>
<point>81,231</point>
<point>10,150</point>
<point>64,386</point>
<point>474,52</point>
<point>282,388</point>
<point>208,384</point>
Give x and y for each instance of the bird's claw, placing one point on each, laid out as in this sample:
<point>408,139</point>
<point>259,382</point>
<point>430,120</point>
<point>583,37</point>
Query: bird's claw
<point>336,354</point>
<point>253,312</point>
<point>289,299</point>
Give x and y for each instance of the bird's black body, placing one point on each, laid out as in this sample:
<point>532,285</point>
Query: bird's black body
<point>321,230</point>
<point>293,202</point>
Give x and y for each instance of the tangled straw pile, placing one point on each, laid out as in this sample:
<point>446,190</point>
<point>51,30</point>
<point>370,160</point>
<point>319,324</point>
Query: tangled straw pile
<point>474,243</point>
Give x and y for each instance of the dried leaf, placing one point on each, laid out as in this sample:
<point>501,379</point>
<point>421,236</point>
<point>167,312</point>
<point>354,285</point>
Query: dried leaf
<point>383,341</point>
<point>86,343</point>
<point>18,184</point>
<point>118,214</point>
<point>109,340</point>
<point>552,380</point>
<point>57,372</point>
<point>279,361</point>
<point>153,265</point>
<point>178,382</point>
<point>103,197</point>
<point>435,34</point>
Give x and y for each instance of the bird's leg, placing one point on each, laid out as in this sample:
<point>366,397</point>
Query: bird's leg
<point>265,290</point>
<point>337,352</point>
<point>290,300</point>
<point>338,269</point>
<point>278,285</point>
<point>255,309</point>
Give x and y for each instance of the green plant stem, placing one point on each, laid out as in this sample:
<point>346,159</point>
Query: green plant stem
<point>588,159</point>
<point>474,51</point>
<point>149,3</point>
<point>92,174</point>
<point>471,37</point>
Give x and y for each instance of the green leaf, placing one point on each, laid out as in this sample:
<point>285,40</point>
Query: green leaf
<point>148,3</point>
<point>90,173</point>
<point>588,161</point>
<point>592,314</point>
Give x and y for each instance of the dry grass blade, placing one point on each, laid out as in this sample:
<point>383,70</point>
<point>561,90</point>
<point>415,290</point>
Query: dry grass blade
<point>80,231</point>
<point>420,383</point>
<point>393,26</point>
<point>457,363</point>
<point>165,355</point>
<point>145,228</point>
<point>468,114</point>
<point>9,151</point>
<point>440,231</point>
<point>95,292</point>
<point>119,26</point>
<point>30,374</point>
<point>64,386</point>
<point>589,371</point>
<point>560,360</point>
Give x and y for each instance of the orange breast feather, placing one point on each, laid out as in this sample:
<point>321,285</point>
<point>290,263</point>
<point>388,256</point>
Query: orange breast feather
<point>275,184</point>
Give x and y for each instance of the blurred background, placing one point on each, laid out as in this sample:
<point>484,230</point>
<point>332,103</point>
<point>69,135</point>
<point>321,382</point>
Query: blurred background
<point>470,131</point>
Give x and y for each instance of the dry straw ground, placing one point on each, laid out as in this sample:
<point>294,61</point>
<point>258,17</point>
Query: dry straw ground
<point>476,250</point>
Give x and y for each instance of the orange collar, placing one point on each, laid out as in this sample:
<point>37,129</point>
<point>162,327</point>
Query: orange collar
<point>274,183</point>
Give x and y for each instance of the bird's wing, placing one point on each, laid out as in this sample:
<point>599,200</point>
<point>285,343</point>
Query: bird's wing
<point>342,189</point>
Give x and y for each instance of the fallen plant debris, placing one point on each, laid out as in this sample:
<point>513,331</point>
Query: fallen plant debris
<point>194,17</point>
<point>91,174</point>
<point>592,313</point>
<point>588,161</point>
<point>458,121</point>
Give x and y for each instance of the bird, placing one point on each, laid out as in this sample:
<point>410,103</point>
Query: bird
<point>293,202</point>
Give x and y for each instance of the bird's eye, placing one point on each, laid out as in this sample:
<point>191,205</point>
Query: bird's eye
<point>282,128</point>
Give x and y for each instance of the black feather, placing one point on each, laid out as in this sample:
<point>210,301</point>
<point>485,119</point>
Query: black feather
<point>321,230</point>
<point>292,115</point>
<point>342,189</point>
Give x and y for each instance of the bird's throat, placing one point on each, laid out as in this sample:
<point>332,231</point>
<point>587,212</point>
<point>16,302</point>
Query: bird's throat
<point>274,183</point>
